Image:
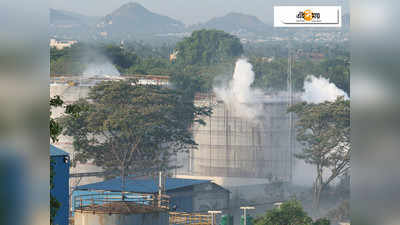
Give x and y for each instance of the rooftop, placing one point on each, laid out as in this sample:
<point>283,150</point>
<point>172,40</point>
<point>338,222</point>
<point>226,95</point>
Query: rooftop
<point>54,151</point>
<point>147,185</point>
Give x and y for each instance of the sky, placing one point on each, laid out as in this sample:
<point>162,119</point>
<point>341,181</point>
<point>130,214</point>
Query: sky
<point>187,11</point>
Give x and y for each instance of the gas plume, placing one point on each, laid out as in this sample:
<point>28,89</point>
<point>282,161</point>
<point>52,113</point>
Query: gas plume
<point>319,89</point>
<point>238,93</point>
<point>103,68</point>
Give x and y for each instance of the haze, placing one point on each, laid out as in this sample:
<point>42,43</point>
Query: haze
<point>190,11</point>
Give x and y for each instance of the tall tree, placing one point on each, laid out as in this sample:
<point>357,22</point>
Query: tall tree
<point>55,131</point>
<point>125,126</point>
<point>206,47</point>
<point>324,131</point>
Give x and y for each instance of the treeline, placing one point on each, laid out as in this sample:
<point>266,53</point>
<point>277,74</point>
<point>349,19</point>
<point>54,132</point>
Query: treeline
<point>208,54</point>
<point>272,74</point>
<point>127,59</point>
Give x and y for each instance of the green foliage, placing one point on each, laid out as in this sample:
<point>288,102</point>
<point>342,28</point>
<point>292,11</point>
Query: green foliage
<point>206,47</point>
<point>340,213</point>
<point>55,128</point>
<point>119,57</point>
<point>290,212</point>
<point>201,78</point>
<point>272,75</point>
<point>67,60</point>
<point>324,131</point>
<point>337,70</point>
<point>55,131</point>
<point>322,221</point>
<point>124,126</point>
<point>153,66</point>
<point>74,60</point>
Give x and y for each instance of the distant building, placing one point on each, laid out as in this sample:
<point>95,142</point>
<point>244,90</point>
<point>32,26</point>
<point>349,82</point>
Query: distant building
<point>60,191</point>
<point>186,195</point>
<point>61,44</point>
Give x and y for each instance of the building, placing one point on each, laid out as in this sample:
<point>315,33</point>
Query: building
<point>61,44</point>
<point>60,161</point>
<point>185,195</point>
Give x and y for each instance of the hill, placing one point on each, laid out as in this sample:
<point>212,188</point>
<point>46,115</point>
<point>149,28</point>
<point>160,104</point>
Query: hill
<point>235,23</point>
<point>133,18</point>
<point>70,25</point>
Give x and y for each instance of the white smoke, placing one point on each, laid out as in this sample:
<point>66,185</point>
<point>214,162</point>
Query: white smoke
<point>238,93</point>
<point>319,89</point>
<point>104,68</point>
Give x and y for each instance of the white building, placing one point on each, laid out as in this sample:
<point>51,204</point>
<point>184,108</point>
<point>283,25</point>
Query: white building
<point>61,44</point>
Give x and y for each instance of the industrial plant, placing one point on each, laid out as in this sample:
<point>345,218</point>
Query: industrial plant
<point>232,151</point>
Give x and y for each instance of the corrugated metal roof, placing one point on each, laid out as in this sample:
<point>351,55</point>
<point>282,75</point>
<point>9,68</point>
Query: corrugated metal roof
<point>140,185</point>
<point>54,151</point>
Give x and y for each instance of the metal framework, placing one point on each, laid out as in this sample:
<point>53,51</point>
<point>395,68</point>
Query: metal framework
<point>121,203</point>
<point>232,146</point>
<point>181,218</point>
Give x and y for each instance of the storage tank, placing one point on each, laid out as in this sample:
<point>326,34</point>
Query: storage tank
<point>233,149</point>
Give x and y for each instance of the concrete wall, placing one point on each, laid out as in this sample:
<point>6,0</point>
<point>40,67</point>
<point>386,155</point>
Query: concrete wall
<point>156,218</point>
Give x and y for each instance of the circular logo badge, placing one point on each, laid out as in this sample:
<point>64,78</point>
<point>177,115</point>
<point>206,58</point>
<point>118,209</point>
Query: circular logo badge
<point>308,15</point>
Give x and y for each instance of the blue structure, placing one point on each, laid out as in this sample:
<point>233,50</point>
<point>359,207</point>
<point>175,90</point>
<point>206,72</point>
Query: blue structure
<point>184,193</point>
<point>61,163</point>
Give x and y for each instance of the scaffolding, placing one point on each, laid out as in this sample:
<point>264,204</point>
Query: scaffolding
<point>233,146</point>
<point>182,218</point>
<point>120,203</point>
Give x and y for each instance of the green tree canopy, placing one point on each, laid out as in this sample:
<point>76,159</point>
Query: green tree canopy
<point>290,212</point>
<point>205,47</point>
<point>324,131</point>
<point>124,126</point>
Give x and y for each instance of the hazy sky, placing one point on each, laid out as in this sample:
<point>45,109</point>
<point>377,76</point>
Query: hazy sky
<point>187,11</point>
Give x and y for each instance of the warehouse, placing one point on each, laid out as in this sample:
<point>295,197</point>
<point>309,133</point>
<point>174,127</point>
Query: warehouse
<point>186,195</point>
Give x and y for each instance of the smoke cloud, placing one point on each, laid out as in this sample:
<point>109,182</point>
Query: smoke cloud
<point>238,93</point>
<point>104,68</point>
<point>319,89</point>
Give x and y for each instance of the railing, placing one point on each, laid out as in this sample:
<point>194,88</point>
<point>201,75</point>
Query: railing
<point>180,218</point>
<point>116,202</point>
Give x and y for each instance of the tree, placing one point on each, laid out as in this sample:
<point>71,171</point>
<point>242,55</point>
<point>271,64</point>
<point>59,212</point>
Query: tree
<point>206,47</point>
<point>289,213</point>
<point>340,213</point>
<point>324,131</point>
<point>124,126</point>
<point>55,131</point>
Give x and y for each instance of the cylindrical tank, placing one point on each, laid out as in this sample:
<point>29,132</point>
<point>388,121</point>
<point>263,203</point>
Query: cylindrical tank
<point>233,146</point>
<point>89,218</point>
